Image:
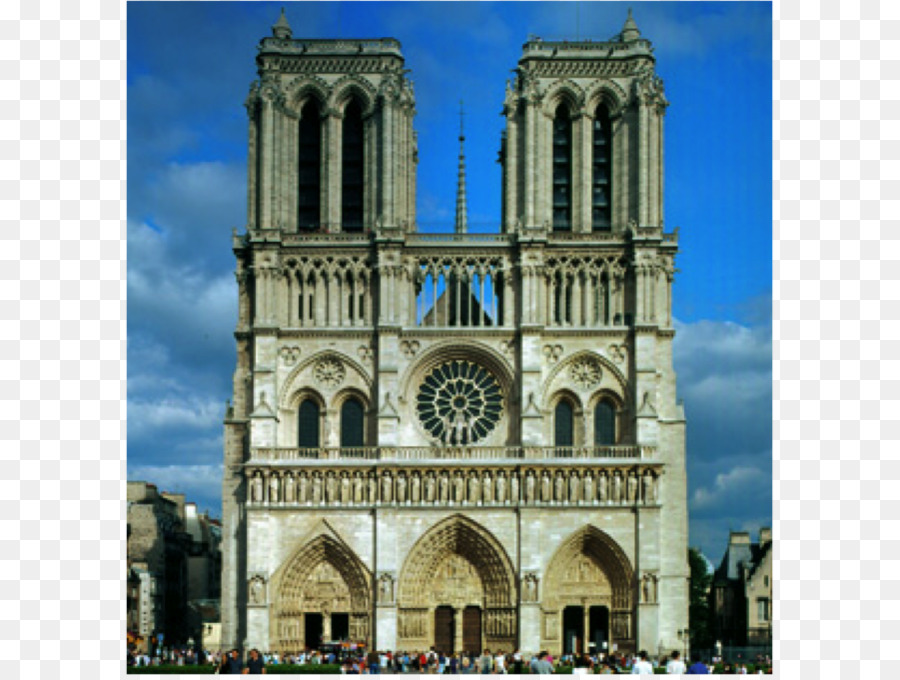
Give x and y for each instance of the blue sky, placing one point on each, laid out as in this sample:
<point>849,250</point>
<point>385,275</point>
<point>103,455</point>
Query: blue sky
<point>190,65</point>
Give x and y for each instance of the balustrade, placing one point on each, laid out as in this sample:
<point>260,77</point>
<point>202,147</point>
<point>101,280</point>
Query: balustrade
<point>451,453</point>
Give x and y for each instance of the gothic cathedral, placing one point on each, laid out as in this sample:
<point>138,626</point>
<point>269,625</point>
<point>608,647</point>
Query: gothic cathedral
<point>455,440</point>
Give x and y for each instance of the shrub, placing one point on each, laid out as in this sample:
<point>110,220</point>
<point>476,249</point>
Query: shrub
<point>208,669</point>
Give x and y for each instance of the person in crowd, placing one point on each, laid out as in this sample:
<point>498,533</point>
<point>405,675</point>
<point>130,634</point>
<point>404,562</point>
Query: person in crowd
<point>517,662</point>
<point>642,666</point>
<point>697,666</point>
<point>544,664</point>
<point>373,662</point>
<point>675,666</point>
<point>231,664</point>
<point>582,665</point>
<point>256,665</point>
<point>485,662</point>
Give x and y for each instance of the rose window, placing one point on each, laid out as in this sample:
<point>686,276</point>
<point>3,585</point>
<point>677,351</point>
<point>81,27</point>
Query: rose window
<point>459,403</point>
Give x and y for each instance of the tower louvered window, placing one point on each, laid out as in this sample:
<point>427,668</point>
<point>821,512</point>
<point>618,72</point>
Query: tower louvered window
<point>352,169</point>
<point>601,182</point>
<point>562,169</point>
<point>308,167</point>
<point>308,425</point>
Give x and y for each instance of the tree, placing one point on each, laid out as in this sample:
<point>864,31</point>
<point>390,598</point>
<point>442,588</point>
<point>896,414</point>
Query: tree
<point>701,580</point>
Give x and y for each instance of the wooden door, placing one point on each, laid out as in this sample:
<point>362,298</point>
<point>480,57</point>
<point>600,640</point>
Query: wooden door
<point>444,629</point>
<point>472,630</point>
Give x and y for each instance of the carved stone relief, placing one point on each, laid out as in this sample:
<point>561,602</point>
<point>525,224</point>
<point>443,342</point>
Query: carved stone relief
<point>530,587</point>
<point>386,589</point>
<point>257,590</point>
<point>586,372</point>
<point>329,372</point>
<point>552,353</point>
<point>289,355</point>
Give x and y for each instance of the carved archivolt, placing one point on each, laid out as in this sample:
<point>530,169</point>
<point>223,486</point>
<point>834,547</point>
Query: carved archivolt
<point>469,558</point>
<point>348,86</point>
<point>589,565</point>
<point>324,576</point>
<point>610,93</point>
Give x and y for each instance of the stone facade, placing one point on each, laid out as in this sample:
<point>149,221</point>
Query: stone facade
<point>460,440</point>
<point>173,567</point>
<point>157,553</point>
<point>741,595</point>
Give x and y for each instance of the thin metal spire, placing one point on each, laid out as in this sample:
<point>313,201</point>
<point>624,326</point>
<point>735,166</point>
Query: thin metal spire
<point>462,217</point>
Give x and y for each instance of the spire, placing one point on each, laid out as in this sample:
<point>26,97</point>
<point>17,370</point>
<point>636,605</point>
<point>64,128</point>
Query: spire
<point>462,219</point>
<point>630,30</point>
<point>282,29</point>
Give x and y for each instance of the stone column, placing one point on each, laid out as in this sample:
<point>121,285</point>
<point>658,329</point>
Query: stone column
<point>332,147</point>
<point>266,154</point>
<point>579,188</point>
<point>512,170</point>
<point>387,163</point>
<point>644,165</point>
<point>577,319</point>
<point>586,200</point>
<point>508,299</point>
<point>654,170</point>
<point>531,113</point>
<point>252,161</point>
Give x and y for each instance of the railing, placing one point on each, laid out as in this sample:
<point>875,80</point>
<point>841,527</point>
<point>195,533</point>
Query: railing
<point>584,236</point>
<point>459,238</point>
<point>450,453</point>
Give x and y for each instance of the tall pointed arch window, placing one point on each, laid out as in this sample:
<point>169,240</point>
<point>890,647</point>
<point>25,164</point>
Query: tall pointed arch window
<point>604,424</point>
<point>352,423</point>
<point>564,424</point>
<point>601,175</point>
<point>562,169</point>
<point>308,425</point>
<point>309,157</point>
<point>352,158</point>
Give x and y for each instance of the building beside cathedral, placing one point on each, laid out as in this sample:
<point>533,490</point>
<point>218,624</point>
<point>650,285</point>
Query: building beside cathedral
<point>455,440</point>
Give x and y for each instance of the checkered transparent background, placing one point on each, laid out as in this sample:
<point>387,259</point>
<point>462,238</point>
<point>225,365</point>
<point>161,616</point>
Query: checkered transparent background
<point>62,292</point>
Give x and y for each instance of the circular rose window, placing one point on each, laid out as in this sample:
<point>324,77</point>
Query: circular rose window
<point>459,403</point>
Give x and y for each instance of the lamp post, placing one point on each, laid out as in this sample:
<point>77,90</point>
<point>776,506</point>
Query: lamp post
<point>685,636</point>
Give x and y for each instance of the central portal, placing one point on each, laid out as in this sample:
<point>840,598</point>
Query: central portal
<point>456,591</point>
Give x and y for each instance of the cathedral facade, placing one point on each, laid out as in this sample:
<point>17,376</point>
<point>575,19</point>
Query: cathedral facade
<point>455,440</point>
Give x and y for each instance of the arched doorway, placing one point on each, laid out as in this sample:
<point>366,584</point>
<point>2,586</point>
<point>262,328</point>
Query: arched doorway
<point>457,591</point>
<point>322,593</point>
<point>588,599</point>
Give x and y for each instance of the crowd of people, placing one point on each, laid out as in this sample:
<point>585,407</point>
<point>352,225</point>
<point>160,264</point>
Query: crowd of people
<point>358,661</point>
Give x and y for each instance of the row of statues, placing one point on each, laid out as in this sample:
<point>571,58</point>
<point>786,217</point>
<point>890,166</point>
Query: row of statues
<point>470,487</point>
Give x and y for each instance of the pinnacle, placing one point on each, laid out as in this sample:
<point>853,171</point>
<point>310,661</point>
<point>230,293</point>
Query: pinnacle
<point>282,29</point>
<point>630,30</point>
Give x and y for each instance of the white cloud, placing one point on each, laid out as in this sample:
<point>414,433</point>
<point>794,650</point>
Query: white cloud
<point>145,417</point>
<point>729,485</point>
